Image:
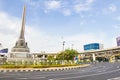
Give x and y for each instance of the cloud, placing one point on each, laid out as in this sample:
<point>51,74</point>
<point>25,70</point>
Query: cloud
<point>64,7</point>
<point>6,25</point>
<point>116,26</point>
<point>118,18</point>
<point>8,29</point>
<point>80,8</point>
<point>109,9</point>
<point>45,5</point>
<point>66,12</point>
<point>89,2</point>
<point>86,6</point>
<point>37,40</point>
<point>112,8</point>
<point>51,5</point>
<point>33,3</point>
<point>84,38</point>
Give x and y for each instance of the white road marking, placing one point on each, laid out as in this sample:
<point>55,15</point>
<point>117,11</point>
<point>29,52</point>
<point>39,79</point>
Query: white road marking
<point>36,77</point>
<point>102,71</point>
<point>86,75</point>
<point>54,74</point>
<point>31,78</point>
<point>83,70</point>
<point>73,73</point>
<point>22,78</point>
<point>117,78</point>
<point>118,66</point>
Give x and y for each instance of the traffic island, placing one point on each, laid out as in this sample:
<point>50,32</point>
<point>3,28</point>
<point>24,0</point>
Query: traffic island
<point>42,69</point>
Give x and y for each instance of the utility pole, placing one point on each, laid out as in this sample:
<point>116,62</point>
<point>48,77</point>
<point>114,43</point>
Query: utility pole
<point>63,45</point>
<point>72,46</point>
<point>63,50</point>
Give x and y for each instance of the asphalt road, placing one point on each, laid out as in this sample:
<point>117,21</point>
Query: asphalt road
<point>98,71</point>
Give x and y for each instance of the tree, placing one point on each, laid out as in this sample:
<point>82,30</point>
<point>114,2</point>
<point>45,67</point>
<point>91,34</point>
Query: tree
<point>68,54</point>
<point>50,57</point>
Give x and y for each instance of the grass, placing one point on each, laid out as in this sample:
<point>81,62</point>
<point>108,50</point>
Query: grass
<point>6,65</point>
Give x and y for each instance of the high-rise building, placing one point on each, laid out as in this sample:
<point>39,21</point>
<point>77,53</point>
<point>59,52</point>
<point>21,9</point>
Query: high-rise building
<point>93,46</point>
<point>118,41</point>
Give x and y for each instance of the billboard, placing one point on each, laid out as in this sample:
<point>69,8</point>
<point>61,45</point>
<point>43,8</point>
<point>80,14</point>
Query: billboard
<point>118,41</point>
<point>4,50</point>
<point>92,46</point>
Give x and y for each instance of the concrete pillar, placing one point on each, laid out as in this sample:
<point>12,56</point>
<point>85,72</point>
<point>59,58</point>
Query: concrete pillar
<point>43,56</point>
<point>112,58</point>
<point>78,57</point>
<point>54,56</point>
<point>93,56</point>
<point>33,56</point>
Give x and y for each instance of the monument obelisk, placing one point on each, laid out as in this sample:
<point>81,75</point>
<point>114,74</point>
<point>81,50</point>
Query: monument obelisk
<point>21,45</point>
<point>21,51</point>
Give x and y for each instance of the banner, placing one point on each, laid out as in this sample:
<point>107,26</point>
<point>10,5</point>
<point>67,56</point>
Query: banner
<point>118,41</point>
<point>4,50</point>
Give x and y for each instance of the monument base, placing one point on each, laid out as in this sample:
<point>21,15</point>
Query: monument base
<point>20,56</point>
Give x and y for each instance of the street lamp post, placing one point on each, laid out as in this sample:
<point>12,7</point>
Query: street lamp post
<point>72,46</point>
<point>63,45</point>
<point>63,50</point>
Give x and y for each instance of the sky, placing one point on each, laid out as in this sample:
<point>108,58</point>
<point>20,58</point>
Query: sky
<point>50,22</point>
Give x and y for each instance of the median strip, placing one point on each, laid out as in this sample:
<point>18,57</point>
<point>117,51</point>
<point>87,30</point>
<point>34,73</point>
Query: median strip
<point>42,69</point>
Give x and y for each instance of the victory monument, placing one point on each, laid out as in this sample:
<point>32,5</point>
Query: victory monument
<point>21,51</point>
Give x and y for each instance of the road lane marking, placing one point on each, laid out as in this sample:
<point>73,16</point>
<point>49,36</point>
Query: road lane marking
<point>114,79</point>
<point>85,75</point>
<point>102,71</point>
<point>82,71</point>
<point>54,74</point>
<point>118,66</point>
<point>36,77</point>
<point>117,78</point>
<point>31,78</point>
<point>22,78</point>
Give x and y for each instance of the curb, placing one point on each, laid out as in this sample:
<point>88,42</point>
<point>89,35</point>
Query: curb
<point>43,69</point>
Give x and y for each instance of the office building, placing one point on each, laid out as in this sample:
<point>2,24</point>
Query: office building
<point>93,46</point>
